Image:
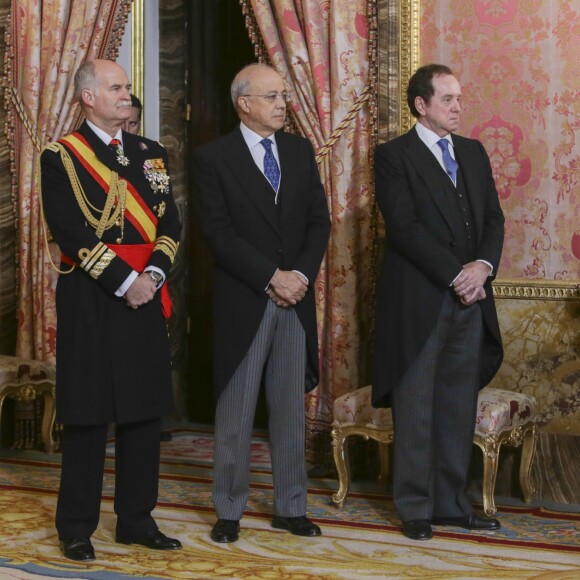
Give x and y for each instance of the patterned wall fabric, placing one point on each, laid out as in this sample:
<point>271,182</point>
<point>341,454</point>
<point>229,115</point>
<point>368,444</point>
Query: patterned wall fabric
<point>517,62</point>
<point>40,109</point>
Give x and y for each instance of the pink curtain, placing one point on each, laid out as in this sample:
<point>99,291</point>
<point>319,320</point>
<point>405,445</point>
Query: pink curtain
<point>46,42</point>
<point>321,50</point>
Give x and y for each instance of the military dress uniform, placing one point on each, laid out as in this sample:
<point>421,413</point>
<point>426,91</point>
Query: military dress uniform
<point>112,214</point>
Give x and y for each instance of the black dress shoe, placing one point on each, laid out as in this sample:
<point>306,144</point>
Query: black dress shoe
<point>469,522</point>
<point>417,530</point>
<point>155,540</point>
<point>225,531</point>
<point>79,549</point>
<point>299,526</point>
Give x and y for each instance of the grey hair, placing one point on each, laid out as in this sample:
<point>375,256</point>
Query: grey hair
<point>241,83</point>
<point>85,78</point>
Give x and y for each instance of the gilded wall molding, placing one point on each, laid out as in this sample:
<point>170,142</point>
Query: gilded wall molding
<point>138,52</point>
<point>409,54</point>
<point>398,57</point>
<point>536,289</point>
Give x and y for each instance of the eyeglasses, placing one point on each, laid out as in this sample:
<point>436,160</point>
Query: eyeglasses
<point>286,96</point>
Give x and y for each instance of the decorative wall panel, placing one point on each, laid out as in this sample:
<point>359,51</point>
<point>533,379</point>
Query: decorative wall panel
<point>540,326</point>
<point>517,61</point>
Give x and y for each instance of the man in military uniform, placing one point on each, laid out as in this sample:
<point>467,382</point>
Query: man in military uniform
<point>108,204</point>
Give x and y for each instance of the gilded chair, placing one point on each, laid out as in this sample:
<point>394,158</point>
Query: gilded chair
<point>503,418</point>
<point>24,380</point>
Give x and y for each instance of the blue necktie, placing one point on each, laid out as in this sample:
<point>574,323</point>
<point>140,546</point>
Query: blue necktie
<point>271,169</point>
<point>450,163</point>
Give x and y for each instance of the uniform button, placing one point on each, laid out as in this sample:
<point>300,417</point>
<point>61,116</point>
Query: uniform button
<point>279,251</point>
<point>460,195</point>
<point>119,240</point>
<point>452,244</point>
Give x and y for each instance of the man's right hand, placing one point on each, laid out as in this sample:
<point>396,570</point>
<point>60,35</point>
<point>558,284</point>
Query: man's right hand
<point>289,286</point>
<point>141,291</point>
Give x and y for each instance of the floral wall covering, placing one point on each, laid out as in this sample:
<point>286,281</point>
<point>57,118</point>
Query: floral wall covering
<point>517,61</point>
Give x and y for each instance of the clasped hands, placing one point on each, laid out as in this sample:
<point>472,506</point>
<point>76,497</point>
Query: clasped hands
<point>287,288</point>
<point>469,284</point>
<point>141,291</point>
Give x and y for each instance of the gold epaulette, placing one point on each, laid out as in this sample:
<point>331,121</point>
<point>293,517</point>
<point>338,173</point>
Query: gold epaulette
<point>167,245</point>
<point>54,147</point>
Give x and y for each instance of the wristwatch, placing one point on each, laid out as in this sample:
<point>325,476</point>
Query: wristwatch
<point>155,276</point>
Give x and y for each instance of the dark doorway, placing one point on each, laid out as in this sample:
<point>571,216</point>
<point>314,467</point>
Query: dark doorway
<point>219,47</point>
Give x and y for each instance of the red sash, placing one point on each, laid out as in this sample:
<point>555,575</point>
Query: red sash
<point>137,256</point>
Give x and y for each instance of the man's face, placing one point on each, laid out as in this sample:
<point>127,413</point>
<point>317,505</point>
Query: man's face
<point>133,123</point>
<point>110,101</point>
<point>257,112</point>
<point>442,113</point>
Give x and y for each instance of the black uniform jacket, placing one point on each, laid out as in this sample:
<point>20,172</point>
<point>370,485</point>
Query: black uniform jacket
<point>113,362</point>
<point>251,237</point>
<point>421,255</point>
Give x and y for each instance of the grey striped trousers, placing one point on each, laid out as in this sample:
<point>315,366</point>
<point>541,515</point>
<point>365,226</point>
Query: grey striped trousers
<point>278,352</point>
<point>434,409</point>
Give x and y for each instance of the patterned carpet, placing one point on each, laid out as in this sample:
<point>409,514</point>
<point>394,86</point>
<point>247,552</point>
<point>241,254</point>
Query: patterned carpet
<point>362,541</point>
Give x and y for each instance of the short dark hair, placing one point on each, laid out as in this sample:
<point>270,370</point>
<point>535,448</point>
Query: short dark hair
<point>135,102</point>
<point>421,84</point>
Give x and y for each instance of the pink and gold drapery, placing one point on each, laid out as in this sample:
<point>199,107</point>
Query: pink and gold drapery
<point>46,42</point>
<point>321,49</point>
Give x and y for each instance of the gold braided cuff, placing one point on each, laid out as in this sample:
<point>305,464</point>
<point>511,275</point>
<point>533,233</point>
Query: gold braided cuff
<point>168,246</point>
<point>96,260</point>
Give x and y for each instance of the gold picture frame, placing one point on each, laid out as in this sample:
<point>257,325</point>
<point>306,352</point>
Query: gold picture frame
<point>399,55</point>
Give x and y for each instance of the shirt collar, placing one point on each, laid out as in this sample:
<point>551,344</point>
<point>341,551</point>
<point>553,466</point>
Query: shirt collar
<point>252,139</point>
<point>429,137</point>
<point>105,137</point>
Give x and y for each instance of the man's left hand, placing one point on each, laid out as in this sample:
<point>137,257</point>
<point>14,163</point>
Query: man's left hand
<point>141,291</point>
<point>471,280</point>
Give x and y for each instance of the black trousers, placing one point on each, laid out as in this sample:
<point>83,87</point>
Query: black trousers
<point>137,450</point>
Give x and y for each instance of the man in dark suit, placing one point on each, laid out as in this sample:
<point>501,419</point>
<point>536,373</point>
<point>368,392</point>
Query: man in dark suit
<point>437,336</point>
<point>107,200</point>
<point>263,211</point>
<point>133,123</point>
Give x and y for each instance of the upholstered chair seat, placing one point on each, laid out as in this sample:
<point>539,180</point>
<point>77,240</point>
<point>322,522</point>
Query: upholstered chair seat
<point>503,417</point>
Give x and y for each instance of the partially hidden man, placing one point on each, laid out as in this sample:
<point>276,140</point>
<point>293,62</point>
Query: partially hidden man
<point>437,335</point>
<point>263,211</point>
<point>107,201</point>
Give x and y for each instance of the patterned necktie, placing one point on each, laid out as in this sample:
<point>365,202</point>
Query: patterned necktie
<point>271,169</point>
<point>450,163</point>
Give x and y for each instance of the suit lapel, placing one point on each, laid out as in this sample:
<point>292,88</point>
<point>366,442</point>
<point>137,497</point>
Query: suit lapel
<point>426,167</point>
<point>250,178</point>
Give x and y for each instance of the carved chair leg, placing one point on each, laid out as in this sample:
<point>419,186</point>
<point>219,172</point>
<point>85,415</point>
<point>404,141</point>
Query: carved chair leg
<point>384,461</point>
<point>48,422</point>
<point>340,450</point>
<point>490,463</point>
<point>528,452</point>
